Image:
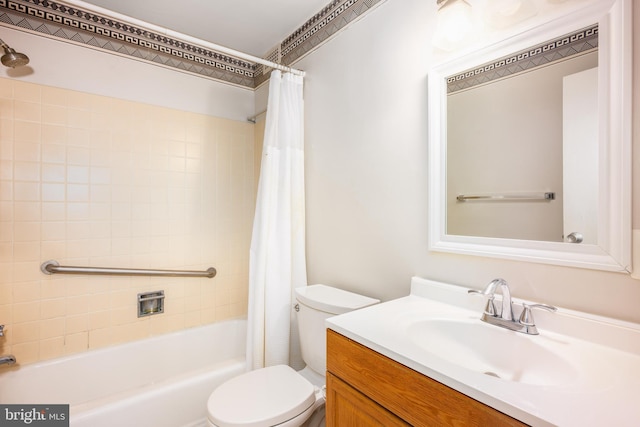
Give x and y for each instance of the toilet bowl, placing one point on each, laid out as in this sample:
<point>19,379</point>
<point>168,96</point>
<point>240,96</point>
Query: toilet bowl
<point>279,395</point>
<point>276,395</point>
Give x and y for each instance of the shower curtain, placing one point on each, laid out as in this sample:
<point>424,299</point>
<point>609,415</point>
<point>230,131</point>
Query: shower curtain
<point>277,256</point>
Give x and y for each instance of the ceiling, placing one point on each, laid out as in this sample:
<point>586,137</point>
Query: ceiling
<point>249,26</point>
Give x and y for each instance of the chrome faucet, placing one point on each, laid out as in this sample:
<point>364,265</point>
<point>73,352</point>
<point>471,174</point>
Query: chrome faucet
<point>506,318</point>
<point>9,359</point>
<point>1,330</point>
<point>506,311</point>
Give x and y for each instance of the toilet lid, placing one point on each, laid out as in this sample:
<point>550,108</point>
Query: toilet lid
<point>264,397</point>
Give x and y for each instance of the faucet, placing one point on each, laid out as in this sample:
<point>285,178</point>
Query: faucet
<point>506,311</point>
<point>506,318</point>
<point>7,360</point>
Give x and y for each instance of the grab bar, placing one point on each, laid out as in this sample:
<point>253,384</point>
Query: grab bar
<point>492,197</point>
<point>53,267</point>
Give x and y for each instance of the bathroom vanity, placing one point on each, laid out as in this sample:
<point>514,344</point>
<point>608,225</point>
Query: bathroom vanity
<point>367,388</point>
<point>428,359</point>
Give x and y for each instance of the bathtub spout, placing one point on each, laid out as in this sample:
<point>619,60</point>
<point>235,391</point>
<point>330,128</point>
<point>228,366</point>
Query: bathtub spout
<point>7,360</point>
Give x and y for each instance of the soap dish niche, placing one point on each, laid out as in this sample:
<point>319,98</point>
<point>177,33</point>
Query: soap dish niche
<point>150,303</point>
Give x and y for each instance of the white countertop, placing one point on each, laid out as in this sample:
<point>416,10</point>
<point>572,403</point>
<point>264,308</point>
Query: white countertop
<point>602,384</point>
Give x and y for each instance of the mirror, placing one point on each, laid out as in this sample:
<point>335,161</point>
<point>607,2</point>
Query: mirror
<point>530,145</point>
<point>510,121</point>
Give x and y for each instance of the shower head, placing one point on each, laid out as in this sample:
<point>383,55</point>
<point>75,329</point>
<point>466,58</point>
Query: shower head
<point>11,58</point>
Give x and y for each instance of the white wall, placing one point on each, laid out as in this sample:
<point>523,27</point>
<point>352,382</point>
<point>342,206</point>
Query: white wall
<point>69,66</point>
<point>366,157</point>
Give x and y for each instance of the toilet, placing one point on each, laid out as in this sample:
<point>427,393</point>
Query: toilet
<point>279,395</point>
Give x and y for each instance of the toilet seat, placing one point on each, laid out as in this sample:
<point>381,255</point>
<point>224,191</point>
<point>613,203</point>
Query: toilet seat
<point>264,397</point>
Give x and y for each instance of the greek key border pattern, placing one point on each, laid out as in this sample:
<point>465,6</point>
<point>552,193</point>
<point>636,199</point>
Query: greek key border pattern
<point>331,19</point>
<point>559,49</point>
<point>57,20</point>
<point>60,21</point>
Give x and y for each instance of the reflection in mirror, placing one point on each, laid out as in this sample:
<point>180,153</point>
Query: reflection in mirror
<point>506,123</point>
<point>538,171</point>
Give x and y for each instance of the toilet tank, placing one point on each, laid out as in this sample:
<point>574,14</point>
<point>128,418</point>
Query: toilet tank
<point>317,303</point>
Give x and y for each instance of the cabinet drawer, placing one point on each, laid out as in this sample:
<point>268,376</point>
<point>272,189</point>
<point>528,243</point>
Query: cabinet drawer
<point>413,397</point>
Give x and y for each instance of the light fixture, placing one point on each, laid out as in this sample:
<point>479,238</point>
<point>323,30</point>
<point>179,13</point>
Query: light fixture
<point>454,24</point>
<point>11,58</point>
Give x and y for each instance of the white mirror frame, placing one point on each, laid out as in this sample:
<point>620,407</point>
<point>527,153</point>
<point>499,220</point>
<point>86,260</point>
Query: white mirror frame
<point>613,249</point>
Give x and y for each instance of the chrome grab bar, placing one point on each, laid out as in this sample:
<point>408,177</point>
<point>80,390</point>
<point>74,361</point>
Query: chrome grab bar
<point>506,197</point>
<point>53,267</point>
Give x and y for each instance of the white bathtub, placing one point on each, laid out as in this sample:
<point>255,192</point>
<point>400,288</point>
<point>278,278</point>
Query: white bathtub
<point>161,381</point>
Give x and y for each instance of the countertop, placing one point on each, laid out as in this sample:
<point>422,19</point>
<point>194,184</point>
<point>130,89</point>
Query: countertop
<point>604,389</point>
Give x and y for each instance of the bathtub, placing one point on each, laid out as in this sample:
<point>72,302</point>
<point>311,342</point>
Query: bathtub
<point>161,381</point>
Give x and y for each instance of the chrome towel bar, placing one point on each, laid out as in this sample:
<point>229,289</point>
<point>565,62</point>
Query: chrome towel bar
<point>506,197</point>
<point>53,267</point>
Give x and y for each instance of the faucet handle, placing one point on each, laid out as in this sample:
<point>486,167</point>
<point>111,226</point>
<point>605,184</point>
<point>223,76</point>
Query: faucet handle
<point>1,330</point>
<point>490,308</point>
<point>526,317</point>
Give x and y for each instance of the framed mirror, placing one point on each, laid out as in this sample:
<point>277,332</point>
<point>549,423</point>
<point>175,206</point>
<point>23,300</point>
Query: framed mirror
<point>530,144</point>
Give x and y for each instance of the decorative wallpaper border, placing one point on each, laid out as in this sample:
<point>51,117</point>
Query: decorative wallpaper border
<point>337,15</point>
<point>333,18</point>
<point>57,20</point>
<point>558,49</point>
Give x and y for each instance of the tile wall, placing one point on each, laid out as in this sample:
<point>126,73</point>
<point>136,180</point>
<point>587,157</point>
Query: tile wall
<point>97,181</point>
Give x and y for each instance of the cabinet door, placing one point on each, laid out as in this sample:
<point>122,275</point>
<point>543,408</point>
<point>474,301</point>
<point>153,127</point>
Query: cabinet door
<point>348,407</point>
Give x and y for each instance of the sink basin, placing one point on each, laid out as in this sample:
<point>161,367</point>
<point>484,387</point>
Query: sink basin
<point>493,351</point>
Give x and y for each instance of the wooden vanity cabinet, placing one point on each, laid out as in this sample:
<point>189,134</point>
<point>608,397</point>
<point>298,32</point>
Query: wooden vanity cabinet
<point>365,388</point>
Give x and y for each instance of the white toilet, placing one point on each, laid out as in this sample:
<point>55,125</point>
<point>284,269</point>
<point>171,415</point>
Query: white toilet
<point>278,395</point>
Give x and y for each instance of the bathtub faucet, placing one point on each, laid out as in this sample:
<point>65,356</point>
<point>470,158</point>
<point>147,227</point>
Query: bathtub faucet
<point>7,360</point>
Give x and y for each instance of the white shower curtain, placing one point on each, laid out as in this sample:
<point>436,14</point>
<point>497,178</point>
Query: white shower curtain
<point>277,258</point>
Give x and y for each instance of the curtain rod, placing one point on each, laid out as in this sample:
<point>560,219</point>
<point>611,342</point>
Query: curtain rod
<point>254,118</point>
<point>235,53</point>
<point>182,37</point>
